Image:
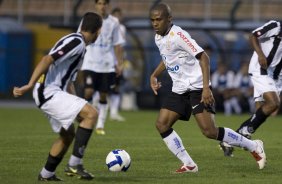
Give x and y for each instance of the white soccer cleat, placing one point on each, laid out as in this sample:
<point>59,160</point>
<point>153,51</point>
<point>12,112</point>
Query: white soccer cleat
<point>259,154</point>
<point>186,168</point>
<point>117,117</point>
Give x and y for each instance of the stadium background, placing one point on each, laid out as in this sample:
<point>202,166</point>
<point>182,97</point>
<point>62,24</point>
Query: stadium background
<point>28,28</point>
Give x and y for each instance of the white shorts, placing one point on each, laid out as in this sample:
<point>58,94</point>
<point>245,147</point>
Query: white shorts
<point>62,109</point>
<point>263,84</point>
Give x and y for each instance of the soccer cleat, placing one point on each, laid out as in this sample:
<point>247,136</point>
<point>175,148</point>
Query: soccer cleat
<point>100,131</point>
<point>78,171</point>
<point>52,178</point>
<point>244,131</point>
<point>227,149</point>
<point>259,154</point>
<point>186,168</point>
<point>117,117</point>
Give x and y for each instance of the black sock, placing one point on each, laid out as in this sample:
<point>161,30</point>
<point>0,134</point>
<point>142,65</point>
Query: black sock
<point>167,133</point>
<point>81,139</point>
<point>52,163</point>
<point>255,121</point>
<point>246,123</point>
<point>221,133</point>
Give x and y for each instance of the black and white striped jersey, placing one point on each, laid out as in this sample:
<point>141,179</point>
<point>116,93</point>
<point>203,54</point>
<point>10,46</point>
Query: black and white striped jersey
<point>269,36</point>
<point>68,54</point>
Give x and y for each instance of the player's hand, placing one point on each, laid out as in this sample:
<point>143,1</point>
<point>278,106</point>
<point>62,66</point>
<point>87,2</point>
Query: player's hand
<point>263,62</point>
<point>17,92</point>
<point>207,97</point>
<point>155,85</point>
<point>119,70</point>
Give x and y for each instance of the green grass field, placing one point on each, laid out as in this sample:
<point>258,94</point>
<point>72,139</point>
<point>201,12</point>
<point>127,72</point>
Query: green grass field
<point>25,139</point>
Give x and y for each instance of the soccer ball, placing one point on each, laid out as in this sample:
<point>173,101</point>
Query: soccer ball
<point>118,160</point>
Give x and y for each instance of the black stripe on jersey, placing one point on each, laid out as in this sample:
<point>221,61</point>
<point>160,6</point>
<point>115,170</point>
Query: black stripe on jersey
<point>273,51</point>
<point>262,31</point>
<point>70,70</point>
<point>271,54</point>
<point>65,49</point>
<point>40,92</point>
<point>277,70</point>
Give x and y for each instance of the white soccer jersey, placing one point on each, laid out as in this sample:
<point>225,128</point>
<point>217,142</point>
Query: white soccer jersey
<point>67,53</point>
<point>178,51</point>
<point>100,56</point>
<point>269,36</point>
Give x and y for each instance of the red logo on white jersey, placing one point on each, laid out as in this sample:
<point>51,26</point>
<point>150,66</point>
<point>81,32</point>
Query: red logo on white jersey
<point>187,41</point>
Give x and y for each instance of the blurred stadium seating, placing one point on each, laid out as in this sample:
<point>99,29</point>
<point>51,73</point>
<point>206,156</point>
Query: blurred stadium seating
<point>220,24</point>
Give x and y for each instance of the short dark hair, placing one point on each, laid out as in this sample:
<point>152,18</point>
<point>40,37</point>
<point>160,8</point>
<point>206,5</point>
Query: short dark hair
<point>116,10</point>
<point>91,22</point>
<point>163,7</point>
<point>107,1</point>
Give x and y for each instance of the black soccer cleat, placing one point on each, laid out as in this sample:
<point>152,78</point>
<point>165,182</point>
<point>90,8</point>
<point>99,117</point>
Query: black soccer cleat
<point>78,171</point>
<point>52,178</point>
<point>227,149</point>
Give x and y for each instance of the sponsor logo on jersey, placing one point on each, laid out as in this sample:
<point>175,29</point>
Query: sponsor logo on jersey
<point>60,52</point>
<point>187,41</point>
<point>173,69</point>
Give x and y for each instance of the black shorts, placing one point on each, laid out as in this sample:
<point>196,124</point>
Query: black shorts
<point>187,103</point>
<point>102,82</point>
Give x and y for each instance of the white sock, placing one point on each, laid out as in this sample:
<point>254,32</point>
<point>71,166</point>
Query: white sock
<point>95,99</point>
<point>174,144</point>
<point>115,101</point>
<point>234,139</point>
<point>103,110</point>
<point>74,161</point>
<point>46,174</point>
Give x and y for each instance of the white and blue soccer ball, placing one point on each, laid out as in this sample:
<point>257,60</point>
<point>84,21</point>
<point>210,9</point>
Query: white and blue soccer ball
<point>118,160</point>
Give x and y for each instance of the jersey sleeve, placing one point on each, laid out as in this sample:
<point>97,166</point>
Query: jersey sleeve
<point>187,43</point>
<point>118,39</point>
<point>271,28</point>
<point>70,48</point>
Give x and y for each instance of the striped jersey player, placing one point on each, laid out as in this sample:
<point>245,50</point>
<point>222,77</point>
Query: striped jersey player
<point>265,71</point>
<point>50,80</point>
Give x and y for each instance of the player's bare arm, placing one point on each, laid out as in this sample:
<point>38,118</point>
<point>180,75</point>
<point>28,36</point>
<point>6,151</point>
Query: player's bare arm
<point>40,69</point>
<point>261,57</point>
<point>207,97</point>
<point>155,85</point>
<point>119,55</point>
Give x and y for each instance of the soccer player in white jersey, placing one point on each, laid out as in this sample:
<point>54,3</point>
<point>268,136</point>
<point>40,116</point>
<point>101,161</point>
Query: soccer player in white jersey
<point>50,79</point>
<point>188,67</point>
<point>265,71</point>
<point>103,62</point>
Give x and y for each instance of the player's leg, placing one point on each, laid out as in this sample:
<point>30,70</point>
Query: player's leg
<point>56,154</point>
<point>207,125</point>
<point>104,83</point>
<point>75,167</point>
<point>270,105</point>
<point>103,111</point>
<point>164,124</point>
<point>115,102</point>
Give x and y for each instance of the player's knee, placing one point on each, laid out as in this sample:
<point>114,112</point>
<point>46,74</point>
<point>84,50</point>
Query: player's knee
<point>161,126</point>
<point>272,106</point>
<point>92,115</point>
<point>209,133</point>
